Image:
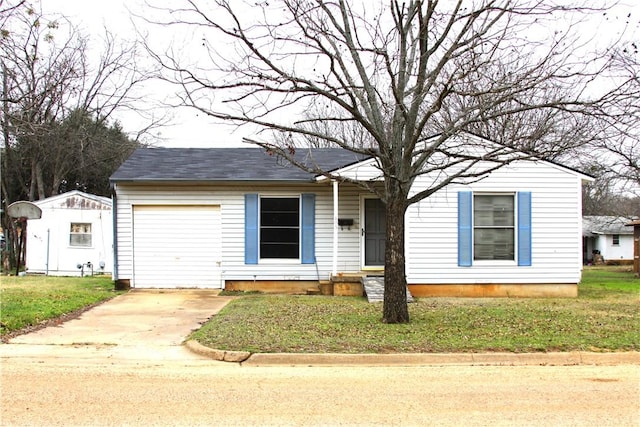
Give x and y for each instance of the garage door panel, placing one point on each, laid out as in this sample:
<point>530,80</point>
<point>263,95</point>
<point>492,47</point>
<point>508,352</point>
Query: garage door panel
<point>177,246</point>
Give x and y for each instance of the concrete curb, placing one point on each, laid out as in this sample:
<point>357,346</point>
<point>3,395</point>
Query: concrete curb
<point>418,359</point>
<point>221,355</point>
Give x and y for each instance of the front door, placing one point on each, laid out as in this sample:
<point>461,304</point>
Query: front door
<point>374,233</point>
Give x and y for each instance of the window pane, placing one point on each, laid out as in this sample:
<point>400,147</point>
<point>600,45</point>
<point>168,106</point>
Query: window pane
<point>491,211</point>
<point>279,235</point>
<point>279,250</point>
<point>279,204</point>
<point>279,227</point>
<point>277,219</point>
<point>493,244</point>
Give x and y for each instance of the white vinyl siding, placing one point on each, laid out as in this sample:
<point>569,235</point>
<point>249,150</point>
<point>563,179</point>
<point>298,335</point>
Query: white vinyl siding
<point>430,226</point>
<point>176,246</point>
<point>556,229</point>
<point>231,202</point>
<point>609,251</point>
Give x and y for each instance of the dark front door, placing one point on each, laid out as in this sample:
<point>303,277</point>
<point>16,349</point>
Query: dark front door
<point>374,232</point>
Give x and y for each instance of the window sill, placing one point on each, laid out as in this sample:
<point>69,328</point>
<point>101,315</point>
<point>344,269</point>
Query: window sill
<point>494,263</point>
<point>268,261</point>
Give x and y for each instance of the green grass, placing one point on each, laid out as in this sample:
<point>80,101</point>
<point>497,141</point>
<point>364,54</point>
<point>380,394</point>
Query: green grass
<point>605,317</point>
<point>29,300</point>
<point>601,282</point>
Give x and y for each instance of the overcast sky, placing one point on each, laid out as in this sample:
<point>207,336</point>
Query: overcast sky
<point>188,128</point>
<point>193,129</point>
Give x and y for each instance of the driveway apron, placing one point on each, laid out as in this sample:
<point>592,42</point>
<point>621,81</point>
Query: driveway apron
<point>139,324</point>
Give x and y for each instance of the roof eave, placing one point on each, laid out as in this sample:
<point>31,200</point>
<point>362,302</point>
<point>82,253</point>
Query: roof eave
<point>211,181</point>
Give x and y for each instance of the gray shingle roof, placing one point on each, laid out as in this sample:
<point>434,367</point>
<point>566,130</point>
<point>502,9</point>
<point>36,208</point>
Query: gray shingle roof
<point>225,164</point>
<point>592,225</point>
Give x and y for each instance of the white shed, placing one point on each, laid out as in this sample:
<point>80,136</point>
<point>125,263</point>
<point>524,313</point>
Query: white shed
<point>76,229</point>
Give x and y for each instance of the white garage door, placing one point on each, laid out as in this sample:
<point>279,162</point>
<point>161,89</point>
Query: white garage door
<point>176,246</point>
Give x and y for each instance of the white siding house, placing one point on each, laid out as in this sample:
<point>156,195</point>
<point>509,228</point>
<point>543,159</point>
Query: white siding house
<point>75,229</point>
<point>608,236</point>
<point>211,217</point>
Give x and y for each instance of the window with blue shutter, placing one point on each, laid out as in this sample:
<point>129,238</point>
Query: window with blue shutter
<point>280,228</point>
<point>464,228</point>
<point>487,227</point>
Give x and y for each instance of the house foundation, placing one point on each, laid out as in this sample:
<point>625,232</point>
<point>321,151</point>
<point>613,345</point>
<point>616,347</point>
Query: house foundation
<point>291,287</point>
<point>534,290</point>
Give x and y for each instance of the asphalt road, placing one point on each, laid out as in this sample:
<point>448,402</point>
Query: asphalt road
<point>95,391</point>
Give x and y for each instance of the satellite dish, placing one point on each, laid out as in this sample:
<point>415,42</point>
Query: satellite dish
<point>24,209</point>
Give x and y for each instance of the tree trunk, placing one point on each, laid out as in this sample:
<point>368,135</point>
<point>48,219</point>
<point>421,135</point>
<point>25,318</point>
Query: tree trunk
<point>39,181</point>
<point>395,308</point>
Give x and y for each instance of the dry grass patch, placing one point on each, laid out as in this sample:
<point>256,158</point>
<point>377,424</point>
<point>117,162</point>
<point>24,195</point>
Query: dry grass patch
<point>603,318</point>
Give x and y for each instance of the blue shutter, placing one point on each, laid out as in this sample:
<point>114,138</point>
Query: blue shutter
<point>308,250</point>
<point>524,228</point>
<point>465,229</point>
<point>250,228</point>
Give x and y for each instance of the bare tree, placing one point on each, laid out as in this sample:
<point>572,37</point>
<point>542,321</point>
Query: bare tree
<point>613,156</point>
<point>395,81</point>
<point>47,74</point>
<point>58,104</point>
<point>620,146</point>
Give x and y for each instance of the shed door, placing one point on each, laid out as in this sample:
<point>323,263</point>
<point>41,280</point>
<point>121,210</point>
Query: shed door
<point>176,246</point>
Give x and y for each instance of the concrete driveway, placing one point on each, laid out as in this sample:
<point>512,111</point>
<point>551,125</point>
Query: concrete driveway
<point>138,324</point>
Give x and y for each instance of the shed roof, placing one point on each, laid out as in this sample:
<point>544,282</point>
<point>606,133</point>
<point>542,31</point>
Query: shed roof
<point>61,198</point>
<point>225,164</point>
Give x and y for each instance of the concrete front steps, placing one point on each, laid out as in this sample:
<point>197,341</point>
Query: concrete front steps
<point>357,284</point>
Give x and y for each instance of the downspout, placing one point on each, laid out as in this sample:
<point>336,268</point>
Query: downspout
<point>46,273</point>
<point>114,231</point>
<point>334,266</point>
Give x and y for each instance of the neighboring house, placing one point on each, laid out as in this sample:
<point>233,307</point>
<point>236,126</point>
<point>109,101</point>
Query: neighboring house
<point>636,245</point>
<point>76,228</point>
<point>238,218</point>
<point>607,236</point>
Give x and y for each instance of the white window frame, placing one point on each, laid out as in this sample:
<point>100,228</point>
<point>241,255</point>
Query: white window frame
<point>514,227</point>
<point>262,260</point>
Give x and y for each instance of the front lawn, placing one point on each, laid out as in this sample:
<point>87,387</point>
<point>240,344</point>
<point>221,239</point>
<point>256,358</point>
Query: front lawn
<point>28,301</point>
<point>605,317</point>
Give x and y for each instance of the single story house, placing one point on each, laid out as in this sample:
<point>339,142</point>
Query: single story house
<point>606,236</point>
<point>73,237</point>
<point>238,218</point>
